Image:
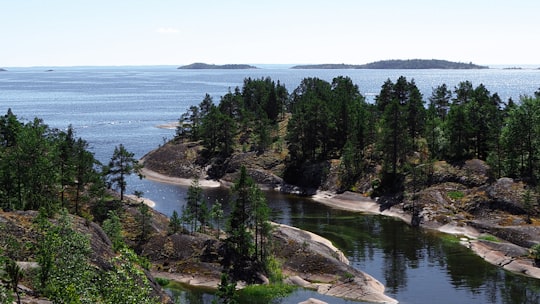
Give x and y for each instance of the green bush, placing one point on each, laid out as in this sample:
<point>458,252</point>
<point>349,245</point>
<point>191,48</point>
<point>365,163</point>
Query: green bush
<point>162,281</point>
<point>273,267</point>
<point>455,195</point>
<point>265,293</point>
<point>489,238</point>
<point>535,252</point>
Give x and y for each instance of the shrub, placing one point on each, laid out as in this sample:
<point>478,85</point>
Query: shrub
<point>535,252</point>
<point>265,293</point>
<point>489,238</point>
<point>162,281</point>
<point>455,195</point>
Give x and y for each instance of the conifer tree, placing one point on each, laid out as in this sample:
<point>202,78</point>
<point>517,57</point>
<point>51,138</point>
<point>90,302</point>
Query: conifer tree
<point>247,230</point>
<point>122,164</point>
<point>175,223</point>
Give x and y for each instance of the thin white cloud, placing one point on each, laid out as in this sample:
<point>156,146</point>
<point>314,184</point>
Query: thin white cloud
<point>167,30</point>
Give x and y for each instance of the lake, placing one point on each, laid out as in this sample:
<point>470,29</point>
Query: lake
<point>108,106</point>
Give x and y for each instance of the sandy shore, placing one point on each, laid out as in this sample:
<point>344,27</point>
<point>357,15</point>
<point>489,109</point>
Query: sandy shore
<point>169,126</point>
<point>152,175</point>
<point>150,203</point>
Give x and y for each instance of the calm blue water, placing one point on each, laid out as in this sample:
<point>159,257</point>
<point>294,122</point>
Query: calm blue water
<point>112,105</point>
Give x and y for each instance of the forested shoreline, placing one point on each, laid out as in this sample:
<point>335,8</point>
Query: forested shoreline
<point>402,130</point>
<point>80,242</point>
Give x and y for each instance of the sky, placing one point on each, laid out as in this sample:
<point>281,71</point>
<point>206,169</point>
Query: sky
<point>177,32</point>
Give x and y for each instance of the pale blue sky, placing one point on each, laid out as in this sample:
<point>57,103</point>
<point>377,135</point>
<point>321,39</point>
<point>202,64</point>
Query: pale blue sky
<point>176,32</point>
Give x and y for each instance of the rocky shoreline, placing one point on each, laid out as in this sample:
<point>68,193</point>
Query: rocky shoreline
<point>496,253</point>
<point>503,254</point>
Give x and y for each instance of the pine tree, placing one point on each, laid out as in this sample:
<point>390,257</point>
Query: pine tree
<point>247,230</point>
<point>194,205</point>
<point>122,164</point>
<point>175,223</point>
<point>144,222</point>
<point>216,214</point>
<point>113,228</point>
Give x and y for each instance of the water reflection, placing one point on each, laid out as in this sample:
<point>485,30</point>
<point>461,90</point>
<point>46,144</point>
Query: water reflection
<point>415,265</point>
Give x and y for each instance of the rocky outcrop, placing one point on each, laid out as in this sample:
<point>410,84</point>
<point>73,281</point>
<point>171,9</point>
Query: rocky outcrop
<point>462,195</point>
<point>19,226</point>
<point>313,262</point>
<point>506,256</point>
<point>309,261</point>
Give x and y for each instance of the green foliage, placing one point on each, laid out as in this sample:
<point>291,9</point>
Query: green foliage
<point>248,230</point>
<point>175,223</point>
<point>528,204</point>
<point>274,270</point>
<point>122,164</point>
<point>14,274</point>
<point>226,292</point>
<point>113,228</point>
<point>402,121</point>
<point>162,281</point>
<point>535,252</point>
<point>455,195</point>
<point>265,293</point>
<point>126,283</point>
<point>474,122</point>
<point>333,121</point>
<point>63,256</point>
<point>40,166</point>
<point>489,238</point>
<point>216,214</point>
<point>196,212</point>
<point>143,219</point>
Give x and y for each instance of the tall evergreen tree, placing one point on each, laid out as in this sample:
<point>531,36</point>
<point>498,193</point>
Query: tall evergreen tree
<point>458,132</point>
<point>66,160</point>
<point>247,230</point>
<point>440,101</point>
<point>311,126</point>
<point>196,206</point>
<point>122,164</point>
<point>86,173</point>
<point>521,139</point>
<point>402,120</point>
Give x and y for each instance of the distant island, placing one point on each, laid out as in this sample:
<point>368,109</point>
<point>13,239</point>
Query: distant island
<point>399,64</point>
<point>205,66</point>
<point>3,70</point>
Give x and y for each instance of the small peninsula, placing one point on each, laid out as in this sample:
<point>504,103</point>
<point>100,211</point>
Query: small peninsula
<point>412,64</point>
<point>206,66</point>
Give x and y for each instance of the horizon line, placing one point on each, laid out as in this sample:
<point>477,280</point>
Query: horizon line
<point>497,65</point>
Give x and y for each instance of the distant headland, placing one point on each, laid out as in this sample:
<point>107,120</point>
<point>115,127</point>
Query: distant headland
<point>399,64</point>
<point>3,70</point>
<point>205,66</point>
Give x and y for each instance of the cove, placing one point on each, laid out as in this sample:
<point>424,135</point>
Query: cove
<point>415,265</point>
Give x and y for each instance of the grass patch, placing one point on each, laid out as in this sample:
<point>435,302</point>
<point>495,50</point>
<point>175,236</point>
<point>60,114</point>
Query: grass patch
<point>489,238</point>
<point>455,195</point>
<point>264,293</point>
<point>450,238</point>
<point>163,282</point>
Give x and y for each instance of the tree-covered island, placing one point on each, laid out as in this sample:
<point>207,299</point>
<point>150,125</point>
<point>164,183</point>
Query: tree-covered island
<point>461,157</point>
<point>396,64</point>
